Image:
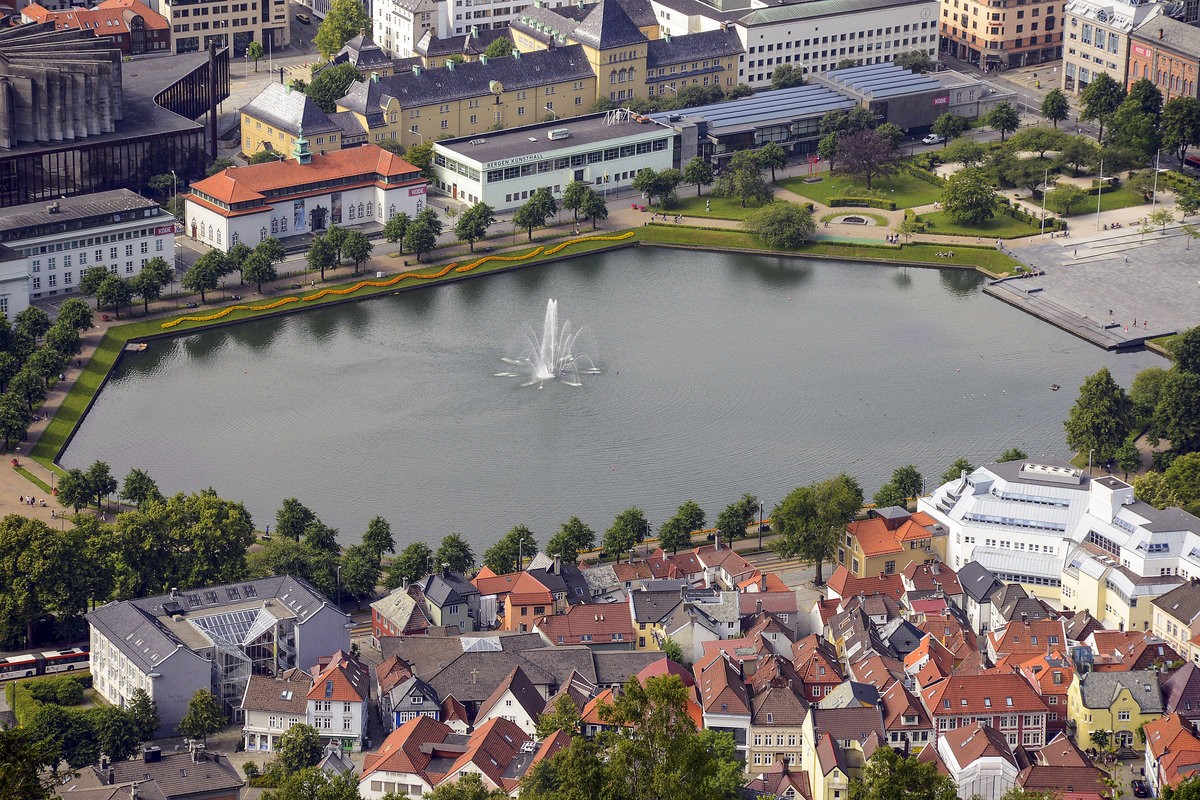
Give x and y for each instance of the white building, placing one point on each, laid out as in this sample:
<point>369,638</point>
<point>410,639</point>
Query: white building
<point>504,168</point>
<point>338,700</point>
<point>362,186</point>
<point>270,706</point>
<point>979,760</point>
<point>46,247</point>
<point>1097,39</point>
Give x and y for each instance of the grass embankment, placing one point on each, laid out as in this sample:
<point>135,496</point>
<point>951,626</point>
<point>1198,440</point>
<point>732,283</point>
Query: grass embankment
<point>993,261</point>
<point>904,189</point>
<point>1000,226</point>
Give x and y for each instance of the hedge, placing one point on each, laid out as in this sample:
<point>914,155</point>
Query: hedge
<point>923,174</point>
<point>869,202</point>
<point>1052,223</point>
<point>26,697</point>
<point>911,216</point>
<point>1178,182</point>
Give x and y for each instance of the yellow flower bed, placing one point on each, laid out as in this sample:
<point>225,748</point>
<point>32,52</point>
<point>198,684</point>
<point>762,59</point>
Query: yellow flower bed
<point>393,281</point>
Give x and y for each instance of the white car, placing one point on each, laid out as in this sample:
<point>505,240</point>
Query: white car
<point>933,138</point>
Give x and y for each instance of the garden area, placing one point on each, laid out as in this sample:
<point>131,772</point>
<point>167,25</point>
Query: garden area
<point>1000,226</point>
<point>904,189</point>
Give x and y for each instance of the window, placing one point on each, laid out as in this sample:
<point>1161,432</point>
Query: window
<point>1122,716</point>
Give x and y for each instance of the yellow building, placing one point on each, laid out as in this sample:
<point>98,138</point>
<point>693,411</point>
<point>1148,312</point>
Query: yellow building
<point>1177,617</point>
<point>1115,702</point>
<point>889,540</point>
<point>832,747</point>
<point>273,121</point>
<point>1113,593</point>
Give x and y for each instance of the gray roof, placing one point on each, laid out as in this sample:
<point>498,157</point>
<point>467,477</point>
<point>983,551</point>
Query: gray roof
<point>544,24</point>
<point>602,579</point>
<point>608,26</point>
<point>847,723</point>
<point>1181,691</point>
<point>569,580</point>
<point>705,44</point>
<point>446,588</point>
<point>614,667</point>
<point>289,110</point>
<point>653,606</point>
<point>468,44</point>
<point>881,80</point>
<point>817,8</point>
<point>1176,36</point>
<point>364,54</point>
<point>472,79</point>
<point>1100,689</point>
<point>977,581</point>
<point>530,139</point>
<point>98,207</point>
<point>1182,602</point>
<point>348,123</point>
<point>850,694</point>
<point>405,691</point>
<point>779,105</point>
<point>176,774</point>
<point>902,635</point>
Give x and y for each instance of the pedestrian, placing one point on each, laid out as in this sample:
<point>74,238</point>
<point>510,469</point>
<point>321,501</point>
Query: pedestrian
<point>1126,258</point>
<point>1076,253</point>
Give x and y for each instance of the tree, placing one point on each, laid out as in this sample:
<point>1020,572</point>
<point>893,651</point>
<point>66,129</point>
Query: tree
<point>101,481</point>
<point>968,197</point>
<point>534,212</point>
<point>23,759</point>
<point>344,20</point>
<point>75,313</point>
<point>699,172</point>
<point>271,248</point>
<point>914,60</point>
<point>14,419</point>
<point>292,518</point>
<point>456,553</point>
<point>562,716</point>
<point>890,495</point>
<point>1064,198</point>
<point>357,248</point>
<point>811,519</point>
<point>786,76</point>
<point>74,491</point>
<point>1186,351</point>
<point>116,732</point>
<point>909,480</point>
<point>74,733</point>
<point>742,178</point>
<point>1100,100</point>
<point>33,321</point>
<point>332,84</point>
<point>1013,454</point>
<point>258,270</point>
<point>1055,106</point>
<point>891,776</point>
<point>676,532</point>
<point>732,522</point>
<point>1146,389</point>
<point>378,538</point>
<point>255,50</point>
<point>673,650</point>
<point>473,223</point>
<point>315,783</point>
<point>782,224</point>
<point>202,276</point>
<point>573,196</point>
<point>145,715</point>
<point>951,126</point>
<point>469,785</point>
<point>420,155</point>
<point>29,387</point>
<point>628,529</point>
<point>771,156</point>
<point>1180,125</point>
<point>203,713</point>
<point>265,156</point>
<point>1037,139</point>
<point>219,165</point>
<point>967,152</point>
<point>395,228</point>
<point>1003,118</point>
<point>420,237</point>
<point>148,284</point>
<point>1134,128</point>
<point>1101,417</point>
<point>572,538</point>
<point>867,154</point>
<point>957,467</point>
<point>1177,415</point>
<point>299,747</point>
<point>1079,152</point>
<point>509,554</point>
<point>594,207</point>
<point>499,48</point>
<point>413,563</point>
<point>739,91</point>
<point>360,572</point>
<point>847,63</point>
<point>140,488</point>
<point>320,536</point>
<point>321,255</point>
<point>114,292</point>
<point>1128,458</point>
<point>652,184</point>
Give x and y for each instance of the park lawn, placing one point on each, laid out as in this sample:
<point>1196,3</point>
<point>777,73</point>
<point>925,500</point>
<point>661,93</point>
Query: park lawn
<point>721,207</point>
<point>906,190</point>
<point>90,380</point>
<point>993,261</point>
<point>1110,200</point>
<point>1000,226</point>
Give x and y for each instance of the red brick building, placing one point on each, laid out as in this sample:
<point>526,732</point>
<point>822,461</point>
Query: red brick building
<point>1166,52</point>
<point>134,27</point>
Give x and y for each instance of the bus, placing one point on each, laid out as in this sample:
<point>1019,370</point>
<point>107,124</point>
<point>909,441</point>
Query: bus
<point>45,663</point>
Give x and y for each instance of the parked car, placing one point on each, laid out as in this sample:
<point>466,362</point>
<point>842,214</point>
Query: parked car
<point>1140,788</point>
<point>933,138</point>
<point>304,18</point>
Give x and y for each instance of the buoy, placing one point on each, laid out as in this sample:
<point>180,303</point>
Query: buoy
<point>958,370</point>
<point>614,469</point>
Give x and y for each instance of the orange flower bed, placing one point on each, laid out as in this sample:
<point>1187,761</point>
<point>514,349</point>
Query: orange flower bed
<point>393,281</point>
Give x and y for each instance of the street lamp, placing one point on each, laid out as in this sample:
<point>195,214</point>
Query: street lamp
<point>1090,460</point>
<point>339,586</point>
<point>551,110</point>
<point>760,513</point>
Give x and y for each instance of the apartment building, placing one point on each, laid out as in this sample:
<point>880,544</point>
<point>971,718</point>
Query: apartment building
<point>1097,39</point>
<point>1177,619</point>
<point>889,540</point>
<point>1003,701</point>
<point>1167,52</point>
<point>196,23</point>
<point>999,34</point>
<point>133,27</point>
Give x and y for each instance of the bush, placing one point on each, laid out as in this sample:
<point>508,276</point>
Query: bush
<point>926,160</point>
<point>923,174</point>
<point>919,225</point>
<point>60,690</point>
<point>869,202</point>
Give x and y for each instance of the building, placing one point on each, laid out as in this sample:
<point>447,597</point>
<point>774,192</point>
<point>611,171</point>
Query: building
<point>607,626</point>
<point>296,196</point>
<point>1172,752</point>
<point>777,713</point>
<point>1181,692</point>
<point>994,37</point>
<point>836,745</point>
<point>272,705</point>
<point>398,614</point>
<point>216,637</point>
<point>1177,618</point>
<point>194,775</point>
<point>46,247</point>
<point>338,700</point>
<point>890,539</point>
<point>725,699</point>
<point>227,25</point>
<point>1050,674</point>
<point>979,761</point>
<point>526,603</point>
<point>517,700</point>
<point>1024,639</point>
<point>449,600</point>
<point>110,128</point>
<point>278,116</point>
<point>978,584</point>
<point>133,27</point>
<point>1002,700</point>
<point>912,100</point>
<point>1116,702</point>
<point>368,57</point>
<point>1097,39</point>
<point>1167,52</point>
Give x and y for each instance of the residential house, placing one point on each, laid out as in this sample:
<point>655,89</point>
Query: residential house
<point>337,701</point>
<point>1120,651</point>
<point>194,775</point>
<point>449,599</point>
<point>633,575</point>
<point>685,566</point>
<point>1002,700</point>
<point>1026,638</point>
<point>272,705</point>
<point>397,614</point>
<point>817,666</point>
<point>777,712</point>
<point>1118,702</point>
<point>1013,604</point>
<point>781,781</point>
<point>879,671</point>
<point>1050,675</point>
<point>905,720</point>
<point>933,578</point>
<point>400,763</point>
<point>527,601</point>
<point>724,699</point>
<point>978,585</point>
<point>1081,625</point>
<point>1060,767</point>
<point>650,612</point>
<point>493,590</point>
<point>781,605</point>
<point>565,581</point>
<point>724,568</point>
<point>517,700</point>
<point>930,653</point>
<point>1181,692</point>
<point>889,540</point>
<point>952,631</point>
<point>836,745</point>
<point>1177,618</point>
<point>403,696</point>
<point>603,584</point>
<point>1172,751</point>
<point>850,694</point>
<point>844,584</point>
<point>979,760</point>
<point>769,627</point>
<point>602,627</point>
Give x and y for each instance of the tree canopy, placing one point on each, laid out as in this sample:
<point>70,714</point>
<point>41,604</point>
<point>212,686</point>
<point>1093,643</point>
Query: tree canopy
<point>344,20</point>
<point>1101,417</point>
<point>810,520</point>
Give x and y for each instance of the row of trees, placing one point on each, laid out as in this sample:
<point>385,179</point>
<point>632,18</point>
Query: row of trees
<point>1138,120</point>
<point>328,250</point>
<point>415,234</point>
<point>256,265</point>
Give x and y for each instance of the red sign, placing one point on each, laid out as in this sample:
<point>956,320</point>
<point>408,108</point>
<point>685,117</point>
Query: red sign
<point>416,190</point>
<point>1141,50</point>
<point>164,229</point>
<point>942,101</point>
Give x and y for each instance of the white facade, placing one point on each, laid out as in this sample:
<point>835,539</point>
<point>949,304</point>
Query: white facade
<point>1097,39</point>
<point>339,719</point>
<point>46,247</point>
<point>261,729</point>
<point>503,169</point>
<point>405,784</point>
<point>987,777</point>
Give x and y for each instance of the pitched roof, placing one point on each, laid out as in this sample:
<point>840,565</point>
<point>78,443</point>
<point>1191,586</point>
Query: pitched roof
<point>1050,673</point>
<point>403,751</point>
<point>1181,691</point>
<point>973,742</point>
<point>665,666</point>
<point>489,582</point>
<point>847,723</point>
<point>402,612</point>
<point>935,577</point>
<point>603,623</point>
<point>845,585</point>
<point>977,581</point>
<point>1100,689</point>
<point>523,693</point>
<point>899,703</point>
<point>653,607</point>
<point>851,694</point>
<point>722,690</point>
<point>981,695</point>
<point>528,590</point>
<point>719,43</point>
<point>110,18</point>
<point>1028,638</point>
<point>289,110</point>
<point>778,779</point>
<point>810,655</point>
<point>879,671</point>
<point>608,26</point>
<point>447,588</point>
<point>778,705</point>
<point>343,678</point>
<point>287,696</point>
<point>177,774</point>
<point>1169,34</point>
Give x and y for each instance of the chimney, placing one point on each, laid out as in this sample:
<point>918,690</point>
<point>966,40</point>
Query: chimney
<point>450,63</point>
<point>103,762</point>
<point>666,37</point>
<point>445,569</point>
<point>474,31</point>
<point>374,77</point>
<point>111,777</point>
<point>174,591</point>
<point>1024,618</point>
<point>557,564</point>
<point>758,606</point>
<point>934,568</point>
<point>1160,33</point>
<point>416,69</point>
<point>717,540</point>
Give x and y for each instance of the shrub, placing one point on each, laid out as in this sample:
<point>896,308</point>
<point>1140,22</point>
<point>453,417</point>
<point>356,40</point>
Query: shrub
<point>62,690</point>
<point>919,226</point>
<point>923,174</point>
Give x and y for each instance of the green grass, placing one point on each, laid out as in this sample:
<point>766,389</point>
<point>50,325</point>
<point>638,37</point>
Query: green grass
<point>1000,226</point>
<point>35,480</point>
<point>721,207</point>
<point>90,380</point>
<point>993,261</point>
<point>909,191</point>
<point>1111,200</point>
<point>831,217</point>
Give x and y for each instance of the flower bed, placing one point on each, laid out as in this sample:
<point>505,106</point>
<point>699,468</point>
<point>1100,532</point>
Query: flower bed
<point>393,281</point>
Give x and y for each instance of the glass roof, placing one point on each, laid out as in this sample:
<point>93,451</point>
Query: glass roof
<point>234,628</point>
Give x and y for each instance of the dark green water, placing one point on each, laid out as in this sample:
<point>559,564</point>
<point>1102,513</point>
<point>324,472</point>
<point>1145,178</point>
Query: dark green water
<point>722,374</point>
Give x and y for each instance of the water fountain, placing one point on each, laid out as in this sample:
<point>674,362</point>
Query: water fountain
<point>560,353</point>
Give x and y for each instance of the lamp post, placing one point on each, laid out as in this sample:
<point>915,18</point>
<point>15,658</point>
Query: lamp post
<point>1045,188</point>
<point>551,110</point>
<point>1099,192</point>
<point>1090,460</point>
<point>339,586</point>
<point>760,516</point>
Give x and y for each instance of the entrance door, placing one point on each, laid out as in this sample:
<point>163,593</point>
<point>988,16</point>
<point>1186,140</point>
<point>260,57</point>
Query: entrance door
<point>454,191</point>
<point>318,218</point>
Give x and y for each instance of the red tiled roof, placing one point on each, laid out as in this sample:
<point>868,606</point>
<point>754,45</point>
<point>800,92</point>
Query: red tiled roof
<point>778,779</point>
<point>812,653</point>
<point>528,590</point>
<point>343,678</point>
<point>602,622</point>
<point>933,650</point>
<point>973,742</point>
<point>391,672</point>
<point>924,579</point>
<point>1168,734</point>
<point>637,571</point>
<point>845,585</point>
<point>898,703</point>
<point>491,749</point>
<point>763,582</point>
<point>981,695</point>
<point>401,750</point>
<point>665,666</point>
<point>773,602</point>
<point>488,582</point>
<point>1030,637</point>
<point>1178,766</point>
<point>1040,670</point>
<point>721,689</point>
<point>242,184</point>
<point>879,671</point>
<point>107,19</point>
